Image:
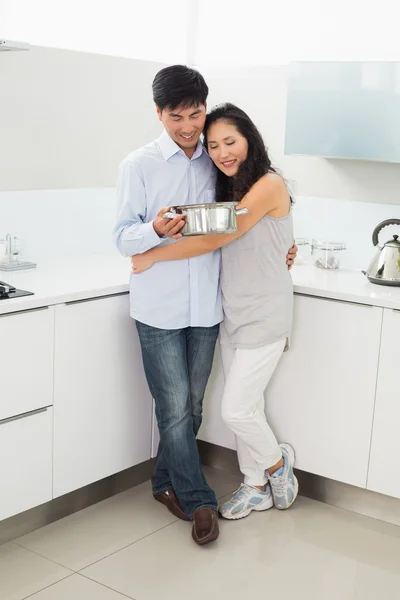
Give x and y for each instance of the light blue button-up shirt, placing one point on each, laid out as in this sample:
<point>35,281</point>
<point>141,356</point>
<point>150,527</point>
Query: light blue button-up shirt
<point>173,294</point>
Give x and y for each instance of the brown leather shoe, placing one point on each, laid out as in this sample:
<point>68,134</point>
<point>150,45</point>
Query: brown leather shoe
<point>172,503</point>
<point>205,526</point>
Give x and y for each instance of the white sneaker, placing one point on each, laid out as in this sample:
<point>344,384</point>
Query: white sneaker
<point>284,484</point>
<point>246,499</point>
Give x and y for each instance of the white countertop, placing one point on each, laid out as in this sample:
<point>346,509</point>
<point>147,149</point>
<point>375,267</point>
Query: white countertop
<point>67,280</point>
<point>93,276</point>
<point>342,284</point>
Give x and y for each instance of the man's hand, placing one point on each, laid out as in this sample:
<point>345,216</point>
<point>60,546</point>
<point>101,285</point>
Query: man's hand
<point>168,227</point>
<point>291,256</point>
<point>141,262</point>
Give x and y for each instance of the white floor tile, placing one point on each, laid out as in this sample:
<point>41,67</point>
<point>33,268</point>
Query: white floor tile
<point>77,587</point>
<point>95,532</point>
<point>23,573</point>
<point>137,549</point>
<point>268,552</point>
<point>377,582</point>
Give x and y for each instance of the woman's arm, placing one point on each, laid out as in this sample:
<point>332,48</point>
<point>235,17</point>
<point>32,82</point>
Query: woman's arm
<point>268,195</point>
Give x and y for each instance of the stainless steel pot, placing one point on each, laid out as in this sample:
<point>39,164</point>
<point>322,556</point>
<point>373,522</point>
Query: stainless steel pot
<point>385,267</point>
<point>203,219</point>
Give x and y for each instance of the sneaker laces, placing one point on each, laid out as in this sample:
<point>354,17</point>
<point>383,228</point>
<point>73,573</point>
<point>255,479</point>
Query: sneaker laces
<point>239,492</point>
<point>279,485</point>
<point>244,491</point>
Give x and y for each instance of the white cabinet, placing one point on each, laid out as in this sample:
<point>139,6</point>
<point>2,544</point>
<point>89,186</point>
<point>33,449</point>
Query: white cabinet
<point>213,428</point>
<point>26,462</point>
<point>102,406</point>
<point>385,449</point>
<point>26,361</point>
<point>321,398</point>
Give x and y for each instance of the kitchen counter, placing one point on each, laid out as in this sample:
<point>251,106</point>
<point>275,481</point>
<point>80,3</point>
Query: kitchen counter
<point>93,276</point>
<point>84,359</point>
<point>342,284</point>
<point>67,281</point>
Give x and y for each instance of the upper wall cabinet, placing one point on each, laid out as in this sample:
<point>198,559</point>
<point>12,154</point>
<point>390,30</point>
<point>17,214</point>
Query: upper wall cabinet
<point>67,119</point>
<point>344,110</point>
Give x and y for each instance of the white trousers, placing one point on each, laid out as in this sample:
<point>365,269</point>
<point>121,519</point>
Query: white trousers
<point>247,374</point>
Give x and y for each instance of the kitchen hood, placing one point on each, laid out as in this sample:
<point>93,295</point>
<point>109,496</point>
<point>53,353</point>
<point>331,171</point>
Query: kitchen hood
<point>10,46</point>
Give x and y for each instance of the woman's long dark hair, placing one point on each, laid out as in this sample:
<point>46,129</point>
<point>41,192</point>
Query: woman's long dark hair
<point>257,162</point>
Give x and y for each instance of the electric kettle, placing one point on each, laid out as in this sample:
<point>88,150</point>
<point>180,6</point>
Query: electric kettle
<point>385,267</point>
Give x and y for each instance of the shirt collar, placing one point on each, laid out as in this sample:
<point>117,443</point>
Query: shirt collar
<point>168,147</point>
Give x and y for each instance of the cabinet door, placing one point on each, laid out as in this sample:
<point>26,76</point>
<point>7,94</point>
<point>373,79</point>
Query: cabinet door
<point>26,450</point>
<point>213,428</point>
<point>385,449</point>
<point>102,406</point>
<point>321,398</point>
<point>26,361</point>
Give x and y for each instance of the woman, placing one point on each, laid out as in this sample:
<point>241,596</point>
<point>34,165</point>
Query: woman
<point>257,295</point>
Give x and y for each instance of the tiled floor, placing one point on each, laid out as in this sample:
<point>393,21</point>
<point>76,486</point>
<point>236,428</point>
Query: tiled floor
<point>131,547</point>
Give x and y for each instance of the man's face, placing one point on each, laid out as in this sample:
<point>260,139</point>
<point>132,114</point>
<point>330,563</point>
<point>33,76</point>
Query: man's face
<point>184,126</point>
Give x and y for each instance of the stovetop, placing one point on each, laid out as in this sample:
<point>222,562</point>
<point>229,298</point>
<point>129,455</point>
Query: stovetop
<point>8,291</point>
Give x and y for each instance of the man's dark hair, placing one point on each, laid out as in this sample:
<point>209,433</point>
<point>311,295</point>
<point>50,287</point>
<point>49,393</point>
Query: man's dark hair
<point>179,86</point>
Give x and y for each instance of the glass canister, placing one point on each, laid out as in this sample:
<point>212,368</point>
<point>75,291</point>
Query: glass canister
<point>303,253</point>
<point>326,255</point>
<point>3,250</point>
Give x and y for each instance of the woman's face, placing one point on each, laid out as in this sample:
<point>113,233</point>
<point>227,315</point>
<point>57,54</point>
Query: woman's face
<point>227,147</point>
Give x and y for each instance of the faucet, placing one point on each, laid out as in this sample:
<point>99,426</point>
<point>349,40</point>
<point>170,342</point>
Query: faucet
<point>9,246</point>
<point>13,261</point>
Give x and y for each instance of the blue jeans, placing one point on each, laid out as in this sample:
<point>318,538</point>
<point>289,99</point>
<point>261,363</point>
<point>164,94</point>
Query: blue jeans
<point>177,365</point>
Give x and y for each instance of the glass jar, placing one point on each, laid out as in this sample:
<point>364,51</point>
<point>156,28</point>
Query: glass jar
<point>3,250</point>
<point>326,255</point>
<point>303,253</point>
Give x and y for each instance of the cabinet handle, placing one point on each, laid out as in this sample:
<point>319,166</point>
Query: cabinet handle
<point>27,310</point>
<point>83,300</point>
<point>24,415</point>
<point>334,300</point>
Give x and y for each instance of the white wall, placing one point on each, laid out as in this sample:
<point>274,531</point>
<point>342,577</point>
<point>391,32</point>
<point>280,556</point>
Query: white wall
<point>255,32</point>
<point>53,224</point>
<point>267,32</point>
<point>347,221</point>
<point>68,118</point>
<point>153,30</point>
<point>261,92</point>
<point>337,200</point>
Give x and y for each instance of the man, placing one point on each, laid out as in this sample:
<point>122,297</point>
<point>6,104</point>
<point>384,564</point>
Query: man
<point>176,305</point>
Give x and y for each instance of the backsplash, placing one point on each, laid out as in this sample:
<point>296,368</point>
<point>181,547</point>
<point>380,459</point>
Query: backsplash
<point>53,224</point>
<point>344,221</point>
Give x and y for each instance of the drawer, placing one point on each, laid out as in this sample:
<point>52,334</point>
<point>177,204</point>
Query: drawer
<point>26,361</point>
<point>26,445</point>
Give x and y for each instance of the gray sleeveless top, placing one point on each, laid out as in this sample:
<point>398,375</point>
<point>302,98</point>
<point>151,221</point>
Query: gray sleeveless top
<point>257,289</point>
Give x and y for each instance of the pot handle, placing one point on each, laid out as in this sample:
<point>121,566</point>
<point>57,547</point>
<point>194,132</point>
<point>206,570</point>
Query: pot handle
<point>379,227</point>
<point>245,211</point>
<point>172,215</point>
